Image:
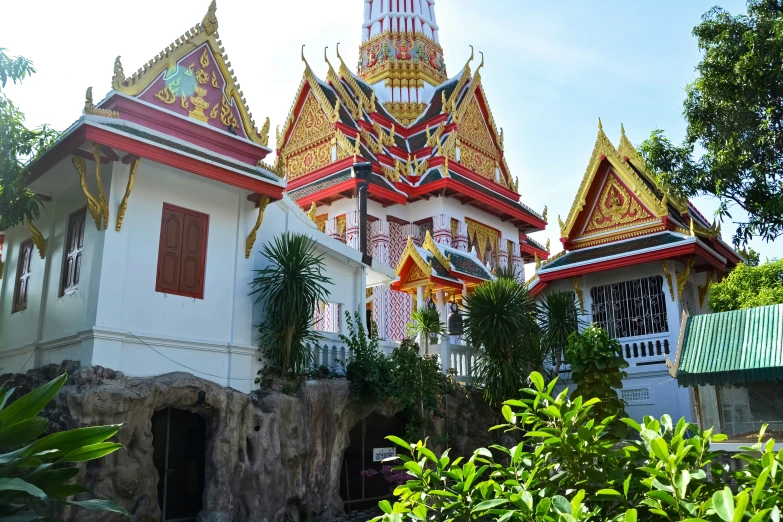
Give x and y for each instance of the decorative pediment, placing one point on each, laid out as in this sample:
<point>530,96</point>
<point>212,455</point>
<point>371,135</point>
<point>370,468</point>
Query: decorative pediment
<point>311,127</point>
<point>615,207</point>
<point>626,178</point>
<point>473,129</point>
<point>192,78</point>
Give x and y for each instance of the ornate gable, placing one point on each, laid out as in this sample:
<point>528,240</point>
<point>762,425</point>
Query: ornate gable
<point>309,147</point>
<point>192,78</point>
<point>615,207</point>
<point>612,196</point>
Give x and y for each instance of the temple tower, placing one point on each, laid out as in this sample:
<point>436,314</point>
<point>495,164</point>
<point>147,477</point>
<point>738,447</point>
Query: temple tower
<point>400,55</point>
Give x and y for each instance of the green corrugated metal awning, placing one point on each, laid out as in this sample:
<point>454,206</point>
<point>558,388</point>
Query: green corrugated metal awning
<point>732,348</point>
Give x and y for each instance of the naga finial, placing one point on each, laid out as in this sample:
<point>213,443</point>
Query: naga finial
<point>264,134</point>
<point>482,62</point>
<point>88,103</point>
<point>303,57</point>
<point>471,57</point>
<point>622,131</point>
<point>338,52</point>
<point>326,58</point>
<point>600,125</point>
<point>210,22</point>
<point>546,211</point>
<point>119,74</point>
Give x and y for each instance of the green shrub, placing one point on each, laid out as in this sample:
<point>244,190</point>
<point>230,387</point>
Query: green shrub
<point>597,367</point>
<point>571,468</point>
<point>368,371</point>
<point>36,473</point>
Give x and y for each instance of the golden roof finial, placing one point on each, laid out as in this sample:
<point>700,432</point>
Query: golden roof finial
<point>326,58</point>
<point>692,230</point>
<point>311,212</point>
<point>467,64</point>
<point>119,74</point>
<point>562,225</point>
<point>481,64</point>
<point>303,57</point>
<point>88,104</point>
<point>544,214</point>
<point>622,131</point>
<point>537,260</point>
<point>548,245</point>
<point>264,134</point>
<point>210,22</point>
<point>600,125</point>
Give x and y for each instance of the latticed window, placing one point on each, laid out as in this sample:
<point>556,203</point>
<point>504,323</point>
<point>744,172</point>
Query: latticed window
<point>631,308</point>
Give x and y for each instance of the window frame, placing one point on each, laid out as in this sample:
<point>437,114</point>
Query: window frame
<point>79,214</point>
<point>624,304</point>
<point>204,239</point>
<point>16,306</point>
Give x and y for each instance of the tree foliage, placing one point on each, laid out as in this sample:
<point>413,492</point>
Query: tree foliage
<point>426,321</point>
<point>291,286</point>
<point>571,468</point>
<point>558,318</point>
<point>749,287</point>
<point>734,112</point>
<point>17,145</point>
<point>500,318</point>
<point>36,474</point>
<point>598,369</point>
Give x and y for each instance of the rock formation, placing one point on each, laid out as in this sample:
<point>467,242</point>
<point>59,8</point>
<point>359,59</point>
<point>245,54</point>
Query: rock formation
<point>269,456</point>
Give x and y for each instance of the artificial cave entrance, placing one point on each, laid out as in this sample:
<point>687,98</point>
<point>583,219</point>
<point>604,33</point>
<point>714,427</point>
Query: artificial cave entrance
<point>363,480</point>
<point>179,440</point>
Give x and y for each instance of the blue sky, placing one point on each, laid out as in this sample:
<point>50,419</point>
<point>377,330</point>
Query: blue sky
<point>552,68</point>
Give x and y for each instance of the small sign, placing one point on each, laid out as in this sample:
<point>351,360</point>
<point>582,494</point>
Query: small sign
<point>379,454</point>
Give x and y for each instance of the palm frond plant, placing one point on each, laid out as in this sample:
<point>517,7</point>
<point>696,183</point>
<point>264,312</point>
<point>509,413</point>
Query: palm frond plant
<point>500,317</point>
<point>290,286</point>
<point>507,272</point>
<point>36,473</point>
<point>558,318</point>
<point>426,321</point>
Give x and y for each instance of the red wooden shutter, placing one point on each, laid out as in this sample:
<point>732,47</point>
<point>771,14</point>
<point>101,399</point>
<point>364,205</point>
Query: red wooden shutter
<point>72,262</point>
<point>191,279</point>
<point>170,253</point>
<point>23,269</point>
<point>183,251</point>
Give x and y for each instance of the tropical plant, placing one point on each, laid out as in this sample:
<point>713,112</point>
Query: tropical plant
<point>558,318</point>
<point>733,146</point>
<point>426,321</point>
<point>368,371</point>
<point>507,271</point>
<point>569,467</point>
<point>500,318</point>
<point>36,473</point>
<point>748,287</point>
<point>291,286</point>
<point>597,369</point>
<point>17,145</point>
<point>416,384</point>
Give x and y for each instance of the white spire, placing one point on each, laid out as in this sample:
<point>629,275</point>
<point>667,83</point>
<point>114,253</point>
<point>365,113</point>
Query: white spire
<point>399,16</point>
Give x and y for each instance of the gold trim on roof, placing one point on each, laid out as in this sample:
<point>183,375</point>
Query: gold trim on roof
<point>410,251</point>
<point>430,245</point>
<point>203,32</point>
<point>604,148</point>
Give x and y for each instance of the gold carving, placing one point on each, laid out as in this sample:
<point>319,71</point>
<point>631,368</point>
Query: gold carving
<point>124,203</point>
<point>166,95</point>
<point>213,113</point>
<point>210,22</point>
<point>312,127</point>
<point>89,107</point>
<point>264,134</point>
<point>321,221</point>
<point>38,239</point>
<point>412,253</point>
<point>546,209</point>
<point>434,139</point>
<point>96,154</point>
<point>480,163</point>
<point>251,238</point>
<point>308,160</point>
<point>682,279</point>
<point>204,60</point>
<point>481,235</point>
<point>579,294</point>
<point>537,261</point>
<point>226,116</point>
<point>548,245</point>
<point>705,288</point>
<point>383,137</point>
<point>616,206</point>
<point>118,80</point>
<point>432,248</point>
<point>668,278</point>
<point>92,204</point>
<point>184,102</point>
<point>311,213</point>
<point>214,81</point>
<point>199,105</point>
<point>405,112</point>
<point>473,128</point>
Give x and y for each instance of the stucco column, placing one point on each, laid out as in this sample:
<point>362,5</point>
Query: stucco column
<point>380,239</point>
<point>441,229</point>
<point>414,232</point>
<point>502,253</point>
<point>516,262</point>
<point>352,230</point>
<point>461,238</point>
<point>332,230</point>
<point>445,350</point>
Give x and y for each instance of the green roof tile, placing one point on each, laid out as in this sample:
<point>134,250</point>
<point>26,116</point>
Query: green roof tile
<point>732,347</point>
<point>614,249</point>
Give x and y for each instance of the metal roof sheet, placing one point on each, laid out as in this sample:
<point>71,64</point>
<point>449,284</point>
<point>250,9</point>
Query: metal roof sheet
<point>732,347</point>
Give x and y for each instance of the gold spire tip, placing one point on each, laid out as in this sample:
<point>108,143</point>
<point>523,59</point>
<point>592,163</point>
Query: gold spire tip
<point>210,22</point>
<point>600,125</point>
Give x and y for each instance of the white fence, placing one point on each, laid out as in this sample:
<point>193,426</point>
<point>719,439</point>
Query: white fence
<point>333,353</point>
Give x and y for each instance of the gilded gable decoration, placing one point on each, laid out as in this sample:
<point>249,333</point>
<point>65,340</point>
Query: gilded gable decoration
<point>192,77</point>
<point>481,236</point>
<point>605,150</point>
<point>616,206</point>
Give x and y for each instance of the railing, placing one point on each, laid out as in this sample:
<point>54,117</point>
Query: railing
<point>641,352</point>
<point>333,353</point>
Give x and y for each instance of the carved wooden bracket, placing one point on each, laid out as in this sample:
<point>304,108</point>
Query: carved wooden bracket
<point>682,279</point>
<point>124,203</point>
<point>38,239</point>
<point>668,279</point>
<point>579,295</point>
<point>99,208</point>
<point>251,238</point>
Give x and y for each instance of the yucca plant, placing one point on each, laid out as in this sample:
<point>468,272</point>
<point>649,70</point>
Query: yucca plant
<point>290,287</point>
<point>36,473</point>
<point>558,318</point>
<point>426,321</point>
<point>500,317</point>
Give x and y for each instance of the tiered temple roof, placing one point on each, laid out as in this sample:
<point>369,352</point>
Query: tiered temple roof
<point>622,216</point>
